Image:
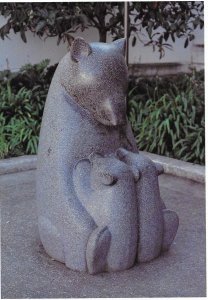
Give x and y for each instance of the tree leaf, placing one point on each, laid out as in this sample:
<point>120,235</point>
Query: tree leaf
<point>133,41</point>
<point>191,37</point>
<point>23,36</point>
<point>186,43</point>
<point>173,37</point>
<point>166,36</point>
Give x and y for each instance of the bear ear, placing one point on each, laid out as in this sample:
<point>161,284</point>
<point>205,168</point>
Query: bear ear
<point>121,45</point>
<point>79,49</point>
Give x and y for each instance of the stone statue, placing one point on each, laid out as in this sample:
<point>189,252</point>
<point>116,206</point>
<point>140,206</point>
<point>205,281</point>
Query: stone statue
<point>99,206</point>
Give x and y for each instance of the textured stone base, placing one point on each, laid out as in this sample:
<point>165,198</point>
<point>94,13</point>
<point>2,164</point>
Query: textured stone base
<point>28,272</point>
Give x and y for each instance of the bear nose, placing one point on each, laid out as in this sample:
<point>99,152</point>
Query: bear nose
<point>113,115</point>
<point>109,116</point>
<point>114,118</point>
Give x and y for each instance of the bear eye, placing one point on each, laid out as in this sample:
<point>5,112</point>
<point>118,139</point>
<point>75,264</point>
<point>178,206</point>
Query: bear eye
<point>108,179</point>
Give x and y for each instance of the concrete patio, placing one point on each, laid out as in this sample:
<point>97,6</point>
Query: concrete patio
<point>28,272</point>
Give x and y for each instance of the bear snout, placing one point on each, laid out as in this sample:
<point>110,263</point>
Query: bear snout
<point>111,117</point>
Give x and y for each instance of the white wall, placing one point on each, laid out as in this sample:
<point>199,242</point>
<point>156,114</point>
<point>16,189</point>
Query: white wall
<point>14,52</point>
<point>145,54</point>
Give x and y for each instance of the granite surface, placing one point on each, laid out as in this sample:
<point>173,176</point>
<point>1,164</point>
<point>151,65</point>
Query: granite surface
<point>85,115</point>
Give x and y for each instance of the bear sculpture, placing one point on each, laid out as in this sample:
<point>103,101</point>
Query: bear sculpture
<point>99,206</point>
<point>106,188</point>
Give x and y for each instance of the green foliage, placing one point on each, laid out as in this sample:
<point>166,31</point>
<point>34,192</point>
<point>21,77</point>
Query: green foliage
<point>176,19</point>
<point>62,19</point>
<point>4,149</point>
<point>165,21</point>
<point>22,98</point>
<point>167,116</point>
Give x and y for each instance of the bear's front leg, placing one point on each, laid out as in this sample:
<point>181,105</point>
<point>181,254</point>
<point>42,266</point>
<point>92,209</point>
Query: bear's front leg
<point>149,205</point>
<point>157,225</point>
<point>97,250</point>
<point>171,223</point>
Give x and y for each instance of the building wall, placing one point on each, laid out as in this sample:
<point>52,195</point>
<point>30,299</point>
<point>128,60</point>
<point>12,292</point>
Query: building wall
<point>14,52</point>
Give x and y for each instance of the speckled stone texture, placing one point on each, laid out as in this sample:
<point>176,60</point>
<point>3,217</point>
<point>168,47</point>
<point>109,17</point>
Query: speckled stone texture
<point>106,188</point>
<point>99,206</point>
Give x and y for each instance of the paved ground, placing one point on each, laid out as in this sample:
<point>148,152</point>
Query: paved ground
<point>28,272</point>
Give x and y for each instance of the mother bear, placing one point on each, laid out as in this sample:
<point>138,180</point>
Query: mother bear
<point>85,113</point>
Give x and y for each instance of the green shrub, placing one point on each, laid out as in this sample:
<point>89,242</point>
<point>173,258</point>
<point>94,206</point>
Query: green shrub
<point>22,99</point>
<point>167,116</point>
